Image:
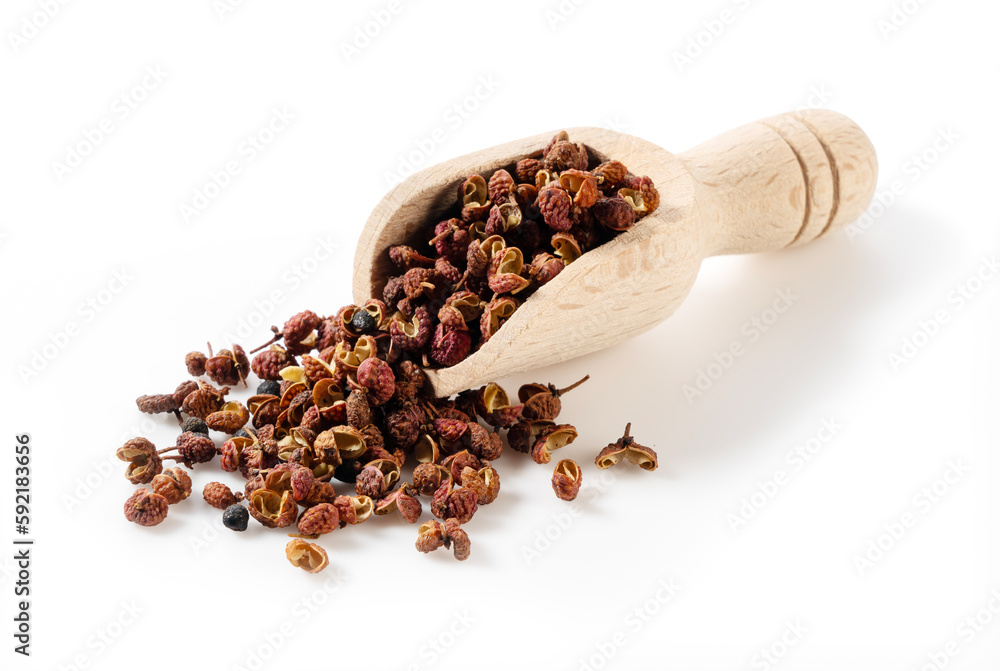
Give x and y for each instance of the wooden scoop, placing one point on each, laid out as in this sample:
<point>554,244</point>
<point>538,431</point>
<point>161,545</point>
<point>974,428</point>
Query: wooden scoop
<point>774,183</point>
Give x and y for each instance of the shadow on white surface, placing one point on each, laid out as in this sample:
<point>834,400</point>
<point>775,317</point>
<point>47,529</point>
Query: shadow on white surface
<point>842,290</point>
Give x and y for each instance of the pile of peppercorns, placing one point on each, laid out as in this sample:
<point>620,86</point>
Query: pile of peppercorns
<point>342,396</point>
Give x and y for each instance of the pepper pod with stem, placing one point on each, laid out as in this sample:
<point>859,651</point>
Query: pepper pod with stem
<point>541,402</point>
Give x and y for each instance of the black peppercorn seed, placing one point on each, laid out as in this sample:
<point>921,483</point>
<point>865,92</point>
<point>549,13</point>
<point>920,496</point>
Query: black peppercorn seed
<point>195,425</point>
<point>242,433</point>
<point>272,387</point>
<point>363,322</point>
<point>236,517</point>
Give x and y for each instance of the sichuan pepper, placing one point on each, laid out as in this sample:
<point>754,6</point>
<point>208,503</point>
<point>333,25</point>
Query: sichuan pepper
<point>173,484</point>
<point>566,479</point>
<point>146,508</point>
<point>344,396</point>
<point>626,447</point>
<point>309,557</point>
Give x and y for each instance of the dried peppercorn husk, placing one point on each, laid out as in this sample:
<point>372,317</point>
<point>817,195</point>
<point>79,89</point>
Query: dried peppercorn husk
<point>314,369</point>
<point>449,429</point>
<point>504,217</point>
<point>439,500</point>
<point>566,247</point>
<point>377,378</point>
<point>504,273</point>
<point>231,455</point>
<point>410,381</point>
<point>194,448</point>
<point>448,534</point>
<point>359,413</point>
<point>552,438</point>
<point>312,420</point>
<point>389,469</point>
<point>143,469</point>
<point>526,169</point>
<point>566,479</point>
<point>496,314</point>
<point>307,556</point>
<point>146,508</point>
<point>581,185</point>
<point>428,477</point>
<point>290,477</point>
<point>406,257</point>
<point>500,186</point>
<point>267,365</point>
<point>335,445</point>
<point>221,368</point>
<point>459,503</point>
<point>182,391</point>
<point>491,480</point>
<point>219,495</point>
<point>450,346</point>
<point>609,174</point>
<point>320,492</point>
<point>545,267</point>
<point>474,195</point>
<point>195,363</point>
<point>402,425</point>
<point>555,203</point>
<point>564,155</point>
<point>542,402</point>
<point>456,538</point>
<point>143,461</point>
<point>480,253</point>
<point>134,447</point>
<point>427,450</point>
<point>430,536</point>
<point>156,403</point>
<point>646,190</point>
<point>626,448</point>
<point>615,214</point>
<point>457,462</point>
<point>173,484</point>
<point>265,409</point>
<point>451,237</point>
<point>493,405</point>
<point>466,305</point>
<point>205,400</point>
<point>473,482</point>
<point>361,507</point>
<point>272,509</point>
<point>230,418</point>
<point>404,501</point>
<point>328,398</point>
<point>411,333</point>
<point>319,519</point>
<point>523,434</point>
<point>299,332</point>
<point>481,443</point>
<point>370,483</point>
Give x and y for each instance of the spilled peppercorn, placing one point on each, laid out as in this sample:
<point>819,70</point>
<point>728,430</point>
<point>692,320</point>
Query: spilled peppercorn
<point>343,397</point>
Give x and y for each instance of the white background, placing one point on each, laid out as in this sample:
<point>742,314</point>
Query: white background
<point>549,585</point>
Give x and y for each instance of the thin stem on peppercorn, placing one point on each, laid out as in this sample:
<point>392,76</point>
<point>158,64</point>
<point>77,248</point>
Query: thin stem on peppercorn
<point>276,338</point>
<point>442,235</point>
<point>560,392</point>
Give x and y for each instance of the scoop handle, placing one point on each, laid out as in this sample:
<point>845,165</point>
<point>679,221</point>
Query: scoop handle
<point>781,181</point>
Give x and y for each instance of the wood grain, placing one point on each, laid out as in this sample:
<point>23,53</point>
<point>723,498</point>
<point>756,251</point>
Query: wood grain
<point>775,183</point>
